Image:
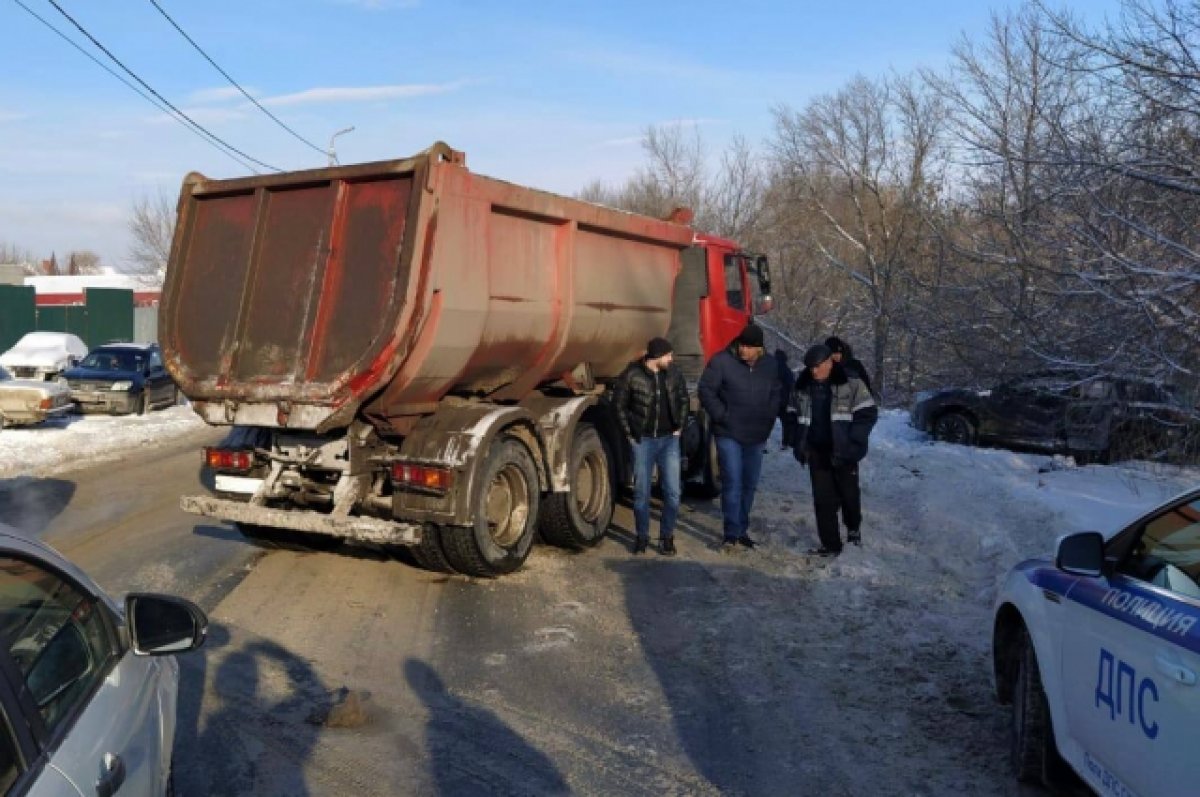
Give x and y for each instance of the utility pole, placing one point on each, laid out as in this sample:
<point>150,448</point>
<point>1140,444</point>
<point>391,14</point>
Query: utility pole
<point>333,161</point>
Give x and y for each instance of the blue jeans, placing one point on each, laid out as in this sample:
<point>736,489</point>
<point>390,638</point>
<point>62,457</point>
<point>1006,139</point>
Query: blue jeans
<point>663,452</point>
<point>740,466</point>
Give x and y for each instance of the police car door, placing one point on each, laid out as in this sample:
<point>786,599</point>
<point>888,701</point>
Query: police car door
<point>1132,656</point>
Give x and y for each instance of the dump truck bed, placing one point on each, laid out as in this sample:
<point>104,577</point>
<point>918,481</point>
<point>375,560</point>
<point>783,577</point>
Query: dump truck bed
<point>305,299</point>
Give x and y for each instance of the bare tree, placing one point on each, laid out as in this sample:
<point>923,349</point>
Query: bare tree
<point>152,227</point>
<point>1131,183</point>
<point>18,255</point>
<point>997,306</point>
<point>677,173</point>
<point>83,262</point>
<point>863,164</point>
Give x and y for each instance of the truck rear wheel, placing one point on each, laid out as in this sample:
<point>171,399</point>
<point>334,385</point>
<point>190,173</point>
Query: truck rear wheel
<point>505,508</point>
<point>579,518</point>
<point>429,553</point>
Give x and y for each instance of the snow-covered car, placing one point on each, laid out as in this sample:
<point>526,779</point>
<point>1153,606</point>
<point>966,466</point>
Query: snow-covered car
<point>1098,653</point>
<point>87,699</point>
<point>28,401</point>
<point>43,355</point>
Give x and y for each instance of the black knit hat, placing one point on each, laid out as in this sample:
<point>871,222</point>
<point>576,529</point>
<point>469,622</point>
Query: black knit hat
<point>816,355</point>
<point>751,335</point>
<point>835,344</point>
<point>658,347</point>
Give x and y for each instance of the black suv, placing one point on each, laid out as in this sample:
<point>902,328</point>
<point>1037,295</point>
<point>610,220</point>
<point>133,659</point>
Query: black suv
<point>121,378</point>
<point>1094,418</point>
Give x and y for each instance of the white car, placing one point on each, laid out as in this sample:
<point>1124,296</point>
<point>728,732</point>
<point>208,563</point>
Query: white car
<point>87,699</point>
<point>1098,652</point>
<point>43,355</point>
<point>28,401</point>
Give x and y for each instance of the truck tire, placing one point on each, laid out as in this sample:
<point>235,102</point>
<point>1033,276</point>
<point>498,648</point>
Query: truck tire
<point>579,519</point>
<point>505,509</point>
<point>1032,740</point>
<point>286,539</point>
<point>710,475</point>
<point>429,553</point>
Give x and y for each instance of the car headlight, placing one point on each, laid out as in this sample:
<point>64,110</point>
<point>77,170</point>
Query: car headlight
<point>121,385</point>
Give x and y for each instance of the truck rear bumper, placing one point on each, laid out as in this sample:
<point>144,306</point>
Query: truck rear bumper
<point>357,529</point>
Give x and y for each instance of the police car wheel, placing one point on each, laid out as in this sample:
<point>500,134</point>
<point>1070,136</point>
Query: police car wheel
<point>1031,735</point>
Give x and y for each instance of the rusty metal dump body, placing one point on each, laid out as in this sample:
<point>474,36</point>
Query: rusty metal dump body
<point>304,299</point>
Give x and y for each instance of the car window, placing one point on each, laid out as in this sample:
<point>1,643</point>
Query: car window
<point>1094,390</point>
<point>735,297</point>
<point>57,635</point>
<point>1167,551</point>
<point>155,359</point>
<point>10,761</point>
<point>1144,392</point>
<point>1043,386</point>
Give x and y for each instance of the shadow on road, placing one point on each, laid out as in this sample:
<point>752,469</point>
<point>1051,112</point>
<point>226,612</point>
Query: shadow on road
<point>30,504</point>
<point>622,530</point>
<point>738,718</point>
<point>260,722</point>
<point>471,750</point>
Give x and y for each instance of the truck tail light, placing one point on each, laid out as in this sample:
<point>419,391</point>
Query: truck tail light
<point>424,477</point>
<point>46,404</point>
<point>228,459</point>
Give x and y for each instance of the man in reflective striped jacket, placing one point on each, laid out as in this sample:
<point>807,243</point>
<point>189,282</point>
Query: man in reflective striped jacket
<point>835,414</point>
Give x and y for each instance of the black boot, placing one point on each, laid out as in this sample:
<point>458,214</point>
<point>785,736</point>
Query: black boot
<point>640,545</point>
<point>666,546</point>
<point>854,537</point>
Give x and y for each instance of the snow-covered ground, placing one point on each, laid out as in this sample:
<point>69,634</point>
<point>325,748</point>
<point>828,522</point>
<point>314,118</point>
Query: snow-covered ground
<point>76,441</point>
<point>873,668</point>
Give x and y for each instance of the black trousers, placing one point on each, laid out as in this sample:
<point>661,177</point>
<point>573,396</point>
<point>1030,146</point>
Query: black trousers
<point>834,488</point>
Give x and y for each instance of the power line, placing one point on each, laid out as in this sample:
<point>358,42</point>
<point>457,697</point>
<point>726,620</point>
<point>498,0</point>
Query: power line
<point>158,96</point>
<point>233,82</point>
<point>144,95</point>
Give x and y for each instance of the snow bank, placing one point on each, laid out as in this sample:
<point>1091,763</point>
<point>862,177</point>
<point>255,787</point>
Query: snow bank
<point>77,441</point>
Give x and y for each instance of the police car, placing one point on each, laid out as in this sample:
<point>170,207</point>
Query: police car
<point>1098,652</point>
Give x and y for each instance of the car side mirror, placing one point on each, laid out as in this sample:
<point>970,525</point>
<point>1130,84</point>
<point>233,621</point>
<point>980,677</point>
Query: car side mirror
<point>59,666</point>
<point>1081,554</point>
<point>160,625</point>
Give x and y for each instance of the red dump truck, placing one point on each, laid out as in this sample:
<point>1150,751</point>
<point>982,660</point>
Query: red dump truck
<point>414,355</point>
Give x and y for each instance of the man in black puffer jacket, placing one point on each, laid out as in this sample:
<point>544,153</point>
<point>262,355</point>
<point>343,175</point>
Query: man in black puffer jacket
<point>651,398</point>
<point>741,392</point>
<point>836,413</point>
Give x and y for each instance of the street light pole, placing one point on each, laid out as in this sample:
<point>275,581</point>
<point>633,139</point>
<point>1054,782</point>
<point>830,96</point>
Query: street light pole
<point>333,155</point>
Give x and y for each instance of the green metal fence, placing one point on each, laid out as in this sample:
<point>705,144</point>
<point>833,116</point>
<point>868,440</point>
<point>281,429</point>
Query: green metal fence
<point>17,314</point>
<point>106,315</point>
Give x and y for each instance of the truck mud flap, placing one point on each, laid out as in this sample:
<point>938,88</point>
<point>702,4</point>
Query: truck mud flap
<point>357,529</point>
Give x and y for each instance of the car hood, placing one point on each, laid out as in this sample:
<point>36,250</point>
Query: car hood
<point>99,374</point>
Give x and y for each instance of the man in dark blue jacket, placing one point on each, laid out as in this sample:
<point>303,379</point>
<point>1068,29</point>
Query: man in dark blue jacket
<point>742,395</point>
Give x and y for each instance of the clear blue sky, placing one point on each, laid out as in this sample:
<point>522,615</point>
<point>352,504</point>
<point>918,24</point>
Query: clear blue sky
<point>546,94</point>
